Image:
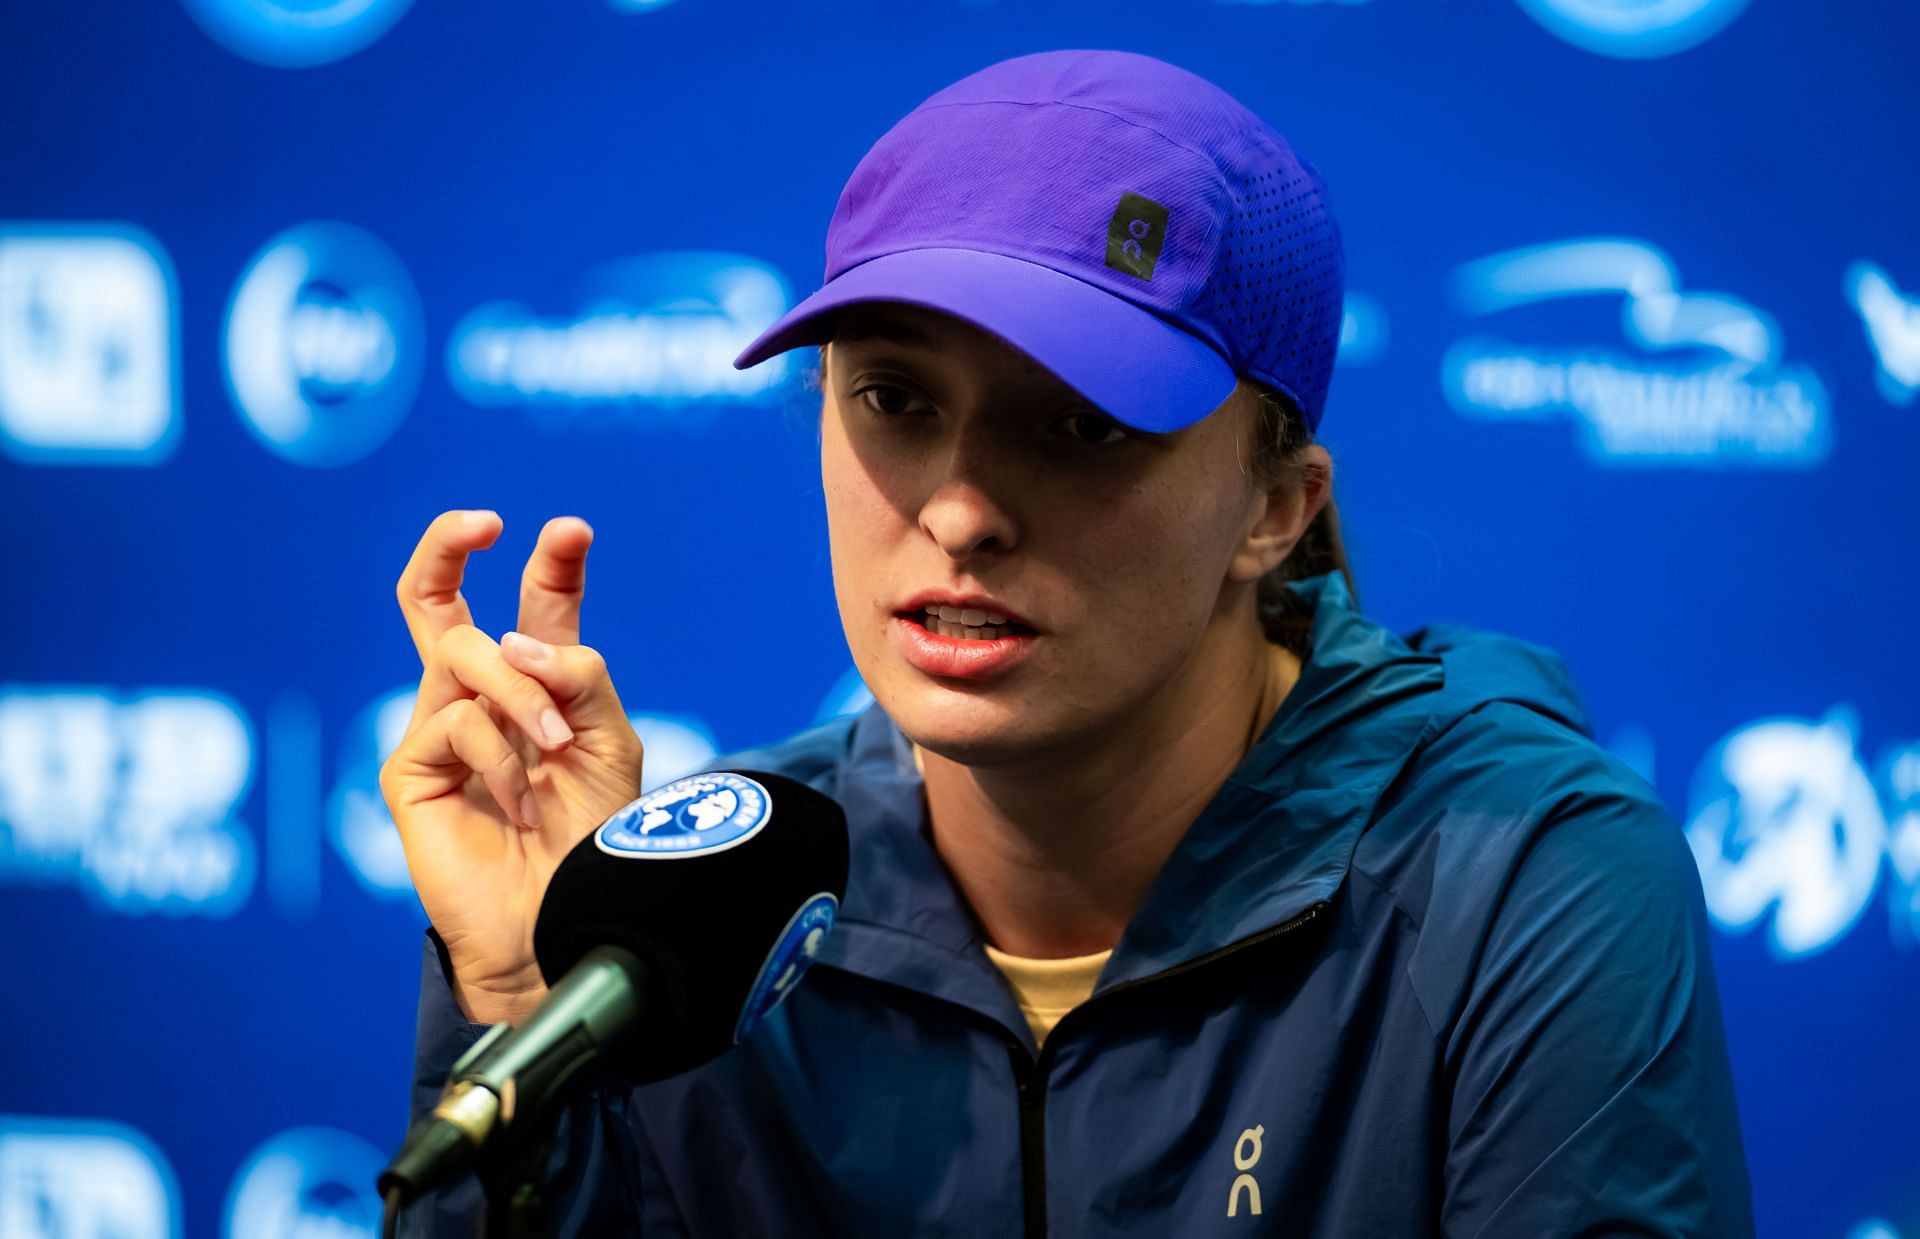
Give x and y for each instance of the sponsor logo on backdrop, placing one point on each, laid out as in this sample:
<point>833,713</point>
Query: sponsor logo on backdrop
<point>1706,387</point>
<point>133,799</point>
<point>78,1179</point>
<point>849,695</point>
<point>675,746</point>
<point>89,345</point>
<point>1634,28</point>
<point>1891,318</point>
<point>1363,330</point>
<point>1633,745</point>
<point>307,1183</point>
<point>362,830</point>
<point>358,823</point>
<point>1784,818</point>
<point>323,344</point>
<point>1897,775</point>
<point>660,331</point>
<point>293,34</point>
<point>1873,1228</point>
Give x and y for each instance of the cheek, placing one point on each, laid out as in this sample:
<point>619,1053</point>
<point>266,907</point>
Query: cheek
<point>1156,557</point>
<point>859,523</point>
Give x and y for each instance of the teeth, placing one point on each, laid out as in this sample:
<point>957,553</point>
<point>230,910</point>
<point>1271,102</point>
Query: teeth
<point>965,615</point>
<point>966,623</point>
<point>961,630</point>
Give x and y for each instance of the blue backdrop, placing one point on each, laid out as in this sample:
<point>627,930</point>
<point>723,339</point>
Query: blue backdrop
<point>1629,368</point>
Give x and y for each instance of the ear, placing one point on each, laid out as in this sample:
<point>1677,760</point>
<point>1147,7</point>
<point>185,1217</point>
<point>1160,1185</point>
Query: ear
<point>1281,516</point>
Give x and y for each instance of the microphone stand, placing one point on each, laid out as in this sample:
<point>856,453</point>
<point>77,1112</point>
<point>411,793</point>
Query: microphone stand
<point>563,1048</point>
<point>514,1184</point>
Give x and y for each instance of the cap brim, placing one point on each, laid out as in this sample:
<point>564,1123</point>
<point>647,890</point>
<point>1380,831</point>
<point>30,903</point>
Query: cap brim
<point>1136,366</point>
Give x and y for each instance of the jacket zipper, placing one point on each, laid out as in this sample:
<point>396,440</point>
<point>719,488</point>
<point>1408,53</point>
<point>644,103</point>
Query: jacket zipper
<point>1033,1138</point>
<point>1030,1074</point>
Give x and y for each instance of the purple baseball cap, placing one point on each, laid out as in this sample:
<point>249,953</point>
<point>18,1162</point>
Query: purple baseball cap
<point>1125,223</point>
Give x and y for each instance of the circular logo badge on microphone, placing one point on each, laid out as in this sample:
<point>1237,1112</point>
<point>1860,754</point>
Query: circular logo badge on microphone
<point>695,816</point>
<point>792,951</point>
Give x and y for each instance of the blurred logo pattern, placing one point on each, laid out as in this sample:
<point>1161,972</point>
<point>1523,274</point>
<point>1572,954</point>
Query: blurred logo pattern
<point>324,344</point>
<point>307,1183</point>
<point>89,345</point>
<point>1634,28</point>
<point>131,799</point>
<point>849,695</point>
<point>675,746</point>
<point>1892,321</point>
<point>76,1179</point>
<point>1363,330</point>
<point>1730,400</point>
<point>1898,777</point>
<point>294,34</point>
<point>660,330</point>
<point>1873,1228</point>
<point>1785,818</point>
<point>358,822</point>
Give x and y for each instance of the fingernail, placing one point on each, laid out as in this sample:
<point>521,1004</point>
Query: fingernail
<point>477,519</point>
<point>555,727</point>
<point>529,810</point>
<point>532,649</point>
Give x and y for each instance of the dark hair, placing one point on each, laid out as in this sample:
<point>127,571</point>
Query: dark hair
<point>1280,436</point>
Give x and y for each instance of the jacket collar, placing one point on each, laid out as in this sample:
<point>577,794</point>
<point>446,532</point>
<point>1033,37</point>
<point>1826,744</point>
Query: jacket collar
<point>1276,838</point>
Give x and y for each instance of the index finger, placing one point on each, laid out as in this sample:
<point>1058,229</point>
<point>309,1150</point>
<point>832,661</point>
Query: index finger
<point>554,581</point>
<point>429,587</point>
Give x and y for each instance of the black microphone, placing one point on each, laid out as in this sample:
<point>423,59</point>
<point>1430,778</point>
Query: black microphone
<point>665,936</point>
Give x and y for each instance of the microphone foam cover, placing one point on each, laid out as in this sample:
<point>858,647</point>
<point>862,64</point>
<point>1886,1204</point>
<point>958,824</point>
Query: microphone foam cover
<point>701,879</point>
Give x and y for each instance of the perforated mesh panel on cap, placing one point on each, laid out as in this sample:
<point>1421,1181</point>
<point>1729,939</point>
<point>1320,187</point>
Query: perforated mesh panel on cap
<point>1279,287</point>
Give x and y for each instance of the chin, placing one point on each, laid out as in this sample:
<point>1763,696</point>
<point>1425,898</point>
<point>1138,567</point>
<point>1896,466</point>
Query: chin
<point>961,724</point>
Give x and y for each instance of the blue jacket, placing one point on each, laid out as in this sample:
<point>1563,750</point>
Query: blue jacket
<point>1431,962</point>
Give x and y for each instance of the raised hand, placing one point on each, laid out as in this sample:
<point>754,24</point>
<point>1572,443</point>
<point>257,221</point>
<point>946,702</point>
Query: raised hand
<point>516,750</point>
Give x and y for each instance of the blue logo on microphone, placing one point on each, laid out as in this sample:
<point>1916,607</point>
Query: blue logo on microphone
<point>694,816</point>
<point>796,948</point>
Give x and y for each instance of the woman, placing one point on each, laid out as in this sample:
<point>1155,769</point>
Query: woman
<point>1185,900</point>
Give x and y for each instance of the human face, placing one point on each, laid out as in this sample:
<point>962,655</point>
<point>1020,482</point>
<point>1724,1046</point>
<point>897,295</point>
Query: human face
<point>953,463</point>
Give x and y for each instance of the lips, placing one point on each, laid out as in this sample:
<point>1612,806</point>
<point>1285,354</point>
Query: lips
<point>956,658</point>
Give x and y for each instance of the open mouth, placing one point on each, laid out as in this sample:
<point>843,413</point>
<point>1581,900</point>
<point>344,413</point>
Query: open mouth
<point>966,624</point>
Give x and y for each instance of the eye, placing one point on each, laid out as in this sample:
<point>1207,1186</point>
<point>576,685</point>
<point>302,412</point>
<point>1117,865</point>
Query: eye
<point>898,395</point>
<point>1095,427</point>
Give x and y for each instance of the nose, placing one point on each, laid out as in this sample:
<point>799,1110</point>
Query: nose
<point>967,512</point>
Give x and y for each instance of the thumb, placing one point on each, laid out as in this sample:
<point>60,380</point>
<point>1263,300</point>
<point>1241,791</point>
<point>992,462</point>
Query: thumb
<point>574,675</point>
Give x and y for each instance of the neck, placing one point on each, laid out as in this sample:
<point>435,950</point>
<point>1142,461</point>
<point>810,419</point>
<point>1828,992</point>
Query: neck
<point>1055,859</point>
